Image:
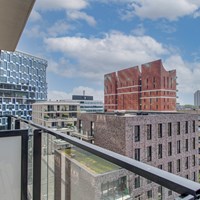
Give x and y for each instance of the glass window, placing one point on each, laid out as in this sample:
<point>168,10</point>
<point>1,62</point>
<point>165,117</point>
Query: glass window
<point>137,154</point>
<point>193,160</point>
<point>159,130</point>
<point>169,148</point>
<point>186,162</point>
<point>159,192</point>
<point>170,167</point>
<point>178,165</point>
<point>160,151</point>
<point>178,146</point>
<point>186,127</point>
<point>149,136</point>
<point>149,194</point>
<point>137,133</point>
<point>149,153</point>
<point>186,144</point>
<point>169,129</point>
<point>178,128</point>
<point>193,143</point>
<point>137,182</point>
<point>193,126</point>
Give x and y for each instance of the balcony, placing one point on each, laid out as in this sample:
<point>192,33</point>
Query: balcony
<point>42,164</point>
<point>13,17</point>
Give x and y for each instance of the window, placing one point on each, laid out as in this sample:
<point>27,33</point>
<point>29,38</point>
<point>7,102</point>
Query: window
<point>194,176</point>
<point>80,126</point>
<point>160,166</point>
<point>186,162</point>
<point>178,165</point>
<point>138,197</point>
<point>149,181</point>
<point>193,126</point>
<point>178,128</point>
<point>154,82</point>
<point>186,127</point>
<point>92,128</point>
<point>169,148</point>
<point>159,192</point>
<point>169,192</point>
<point>186,144</point>
<point>108,188</point>
<point>169,129</point>
<point>193,143</point>
<point>159,130</point>
<point>137,154</point>
<point>137,133</point>
<point>170,167</point>
<point>160,151</point>
<point>149,132</point>
<point>149,153</point>
<point>137,182</point>
<point>149,194</point>
<point>178,146</point>
<point>193,160</point>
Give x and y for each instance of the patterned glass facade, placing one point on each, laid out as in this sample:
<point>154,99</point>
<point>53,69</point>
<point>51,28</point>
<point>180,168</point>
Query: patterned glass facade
<point>22,83</point>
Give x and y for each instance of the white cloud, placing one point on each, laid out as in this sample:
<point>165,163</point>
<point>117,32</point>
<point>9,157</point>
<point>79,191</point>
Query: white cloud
<point>60,95</point>
<point>35,16</point>
<point>196,14</point>
<point>77,15</point>
<point>139,30</point>
<point>97,56</point>
<point>61,4</point>
<point>35,32</point>
<point>188,77</point>
<point>59,28</point>
<point>171,10</point>
<point>166,28</point>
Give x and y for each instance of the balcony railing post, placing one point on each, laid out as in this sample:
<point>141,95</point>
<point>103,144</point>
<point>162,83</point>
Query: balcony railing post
<point>37,165</point>
<point>17,124</point>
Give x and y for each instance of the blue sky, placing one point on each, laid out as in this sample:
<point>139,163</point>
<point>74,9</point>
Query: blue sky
<point>85,39</point>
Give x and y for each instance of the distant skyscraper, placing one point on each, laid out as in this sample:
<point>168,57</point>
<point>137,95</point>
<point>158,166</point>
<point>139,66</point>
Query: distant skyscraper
<point>22,83</point>
<point>151,89</point>
<point>197,98</point>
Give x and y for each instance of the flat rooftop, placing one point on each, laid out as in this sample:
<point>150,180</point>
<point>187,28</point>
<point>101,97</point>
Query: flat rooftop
<point>92,163</point>
<point>132,114</point>
<point>56,103</point>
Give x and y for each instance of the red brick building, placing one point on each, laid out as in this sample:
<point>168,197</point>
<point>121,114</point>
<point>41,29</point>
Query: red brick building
<point>151,89</point>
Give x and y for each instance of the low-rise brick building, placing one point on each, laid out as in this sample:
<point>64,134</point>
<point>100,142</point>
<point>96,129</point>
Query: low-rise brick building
<point>164,140</point>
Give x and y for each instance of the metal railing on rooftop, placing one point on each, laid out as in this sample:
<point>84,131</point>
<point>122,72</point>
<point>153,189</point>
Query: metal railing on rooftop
<point>186,189</point>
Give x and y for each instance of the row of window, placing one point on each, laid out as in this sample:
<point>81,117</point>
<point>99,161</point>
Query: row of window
<point>138,182</point>
<point>160,130</point>
<point>169,150</point>
<point>21,58</point>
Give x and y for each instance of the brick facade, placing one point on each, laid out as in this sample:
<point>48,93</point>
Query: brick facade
<point>118,133</point>
<point>152,89</point>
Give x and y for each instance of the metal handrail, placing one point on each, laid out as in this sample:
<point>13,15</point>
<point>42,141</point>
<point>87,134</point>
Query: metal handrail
<point>171,181</point>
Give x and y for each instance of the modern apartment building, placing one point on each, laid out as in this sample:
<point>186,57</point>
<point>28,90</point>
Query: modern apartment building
<point>167,141</point>
<point>88,104</point>
<point>56,114</point>
<point>197,98</point>
<point>151,89</point>
<point>22,83</point>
